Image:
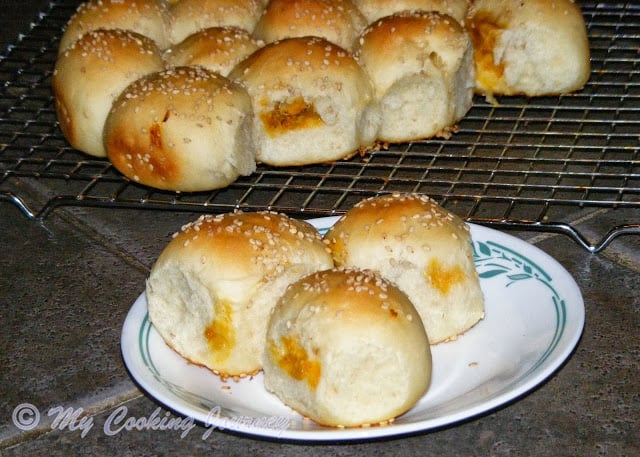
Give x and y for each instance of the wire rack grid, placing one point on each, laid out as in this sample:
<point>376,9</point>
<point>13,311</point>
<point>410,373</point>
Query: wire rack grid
<point>530,164</point>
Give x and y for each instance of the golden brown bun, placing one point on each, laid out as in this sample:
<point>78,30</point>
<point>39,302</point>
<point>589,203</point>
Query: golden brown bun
<point>187,17</point>
<point>376,9</point>
<point>214,285</point>
<point>182,129</point>
<point>338,21</point>
<point>312,102</point>
<point>422,248</point>
<point>146,17</point>
<point>421,66</point>
<point>347,348</point>
<point>90,74</point>
<point>530,47</point>
<point>218,49</point>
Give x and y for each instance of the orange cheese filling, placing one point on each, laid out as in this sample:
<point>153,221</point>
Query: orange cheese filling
<point>338,251</point>
<point>127,157</point>
<point>443,278</point>
<point>484,33</point>
<point>220,334</point>
<point>284,117</point>
<point>294,360</point>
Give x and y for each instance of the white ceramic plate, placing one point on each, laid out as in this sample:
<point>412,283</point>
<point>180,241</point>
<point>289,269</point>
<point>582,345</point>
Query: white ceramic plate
<point>534,319</point>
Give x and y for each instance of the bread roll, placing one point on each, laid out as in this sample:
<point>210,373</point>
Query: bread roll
<point>422,248</point>
<point>214,285</point>
<point>421,65</point>
<point>338,21</point>
<point>529,47</point>
<point>146,17</point>
<point>187,17</point>
<point>376,9</point>
<point>313,102</point>
<point>183,129</point>
<point>218,49</point>
<point>90,74</point>
<point>346,348</point>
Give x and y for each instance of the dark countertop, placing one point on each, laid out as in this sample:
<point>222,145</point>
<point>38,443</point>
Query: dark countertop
<point>68,281</point>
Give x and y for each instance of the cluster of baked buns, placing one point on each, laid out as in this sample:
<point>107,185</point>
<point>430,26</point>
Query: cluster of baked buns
<point>340,323</point>
<point>189,95</point>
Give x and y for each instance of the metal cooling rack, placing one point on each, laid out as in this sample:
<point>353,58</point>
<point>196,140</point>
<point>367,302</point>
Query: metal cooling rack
<point>530,164</point>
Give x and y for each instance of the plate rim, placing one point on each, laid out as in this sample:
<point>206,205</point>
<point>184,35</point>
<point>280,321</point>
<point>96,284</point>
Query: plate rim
<point>134,323</point>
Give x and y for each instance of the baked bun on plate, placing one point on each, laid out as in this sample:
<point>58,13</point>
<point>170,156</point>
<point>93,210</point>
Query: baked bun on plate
<point>346,348</point>
<point>90,74</point>
<point>421,65</point>
<point>312,102</point>
<point>338,21</point>
<point>182,129</point>
<point>146,17</point>
<point>214,285</point>
<point>376,9</point>
<point>529,47</point>
<point>422,248</point>
<point>187,17</point>
<point>218,49</point>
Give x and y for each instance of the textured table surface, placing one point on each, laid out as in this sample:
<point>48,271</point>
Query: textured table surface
<point>66,284</point>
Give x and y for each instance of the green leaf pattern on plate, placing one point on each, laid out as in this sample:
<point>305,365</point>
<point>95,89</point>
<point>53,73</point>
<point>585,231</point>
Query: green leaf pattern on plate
<point>494,260</point>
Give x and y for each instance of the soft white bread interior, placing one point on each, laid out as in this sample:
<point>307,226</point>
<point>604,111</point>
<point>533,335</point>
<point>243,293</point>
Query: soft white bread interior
<point>90,74</point>
<point>376,9</point>
<point>422,248</point>
<point>529,47</point>
<point>312,102</point>
<point>346,348</point>
<point>182,129</point>
<point>211,290</point>
<point>338,21</point>
<point>187,17</point>
<point>218,49</point>
<point>146,17</point>
<point>421,65</point>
